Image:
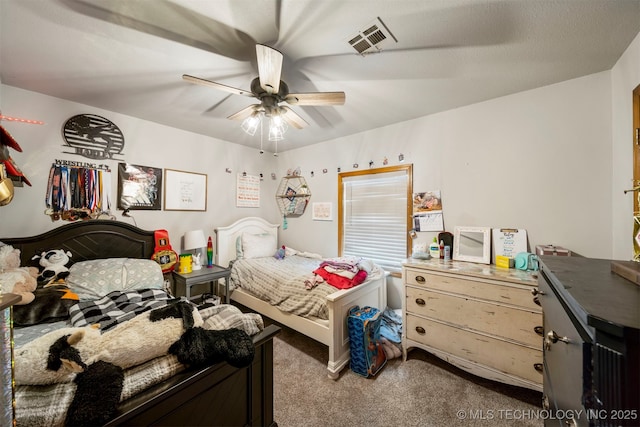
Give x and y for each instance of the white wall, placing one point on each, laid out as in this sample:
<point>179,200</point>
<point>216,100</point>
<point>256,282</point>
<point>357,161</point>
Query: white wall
<point>538,160</point>
<point>146,143</point>
<point>625,76</point>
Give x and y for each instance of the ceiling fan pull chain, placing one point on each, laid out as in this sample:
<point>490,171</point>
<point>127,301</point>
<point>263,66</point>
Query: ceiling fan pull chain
<point>261,150</point>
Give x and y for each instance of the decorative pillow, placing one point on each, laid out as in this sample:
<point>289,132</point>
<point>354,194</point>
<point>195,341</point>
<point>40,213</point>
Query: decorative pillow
<point>258,245</point>
<point>50,305</point>
<point>239,253</point>
<point>95,278</point>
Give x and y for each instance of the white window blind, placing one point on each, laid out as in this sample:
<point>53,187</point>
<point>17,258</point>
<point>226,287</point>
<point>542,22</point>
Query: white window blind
<point>375,217</point>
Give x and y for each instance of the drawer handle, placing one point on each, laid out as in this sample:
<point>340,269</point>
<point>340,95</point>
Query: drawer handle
<point>536,300</point>
<point>538,367</point>
<point>536,291</point>
<point>420,301</point>
<point>420,279</point>
<point>420,330</point>
<point>539,330</point>
<point>553,338</point>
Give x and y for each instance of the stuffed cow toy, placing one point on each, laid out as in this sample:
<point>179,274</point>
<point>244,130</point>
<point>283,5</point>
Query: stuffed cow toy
<point>54,266</point>
<point>96,361</point>
<point>59,355</point>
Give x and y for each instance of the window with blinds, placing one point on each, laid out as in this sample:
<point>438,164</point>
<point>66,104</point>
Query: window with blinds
<point>374,214</point>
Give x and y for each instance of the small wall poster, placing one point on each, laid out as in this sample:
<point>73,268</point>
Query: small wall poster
<point>247,191</point>
<point>322,211</point>
<point>427,211</point>
<point>508,242</point>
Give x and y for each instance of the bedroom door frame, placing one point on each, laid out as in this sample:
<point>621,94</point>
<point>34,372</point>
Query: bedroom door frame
<point>635,142</point>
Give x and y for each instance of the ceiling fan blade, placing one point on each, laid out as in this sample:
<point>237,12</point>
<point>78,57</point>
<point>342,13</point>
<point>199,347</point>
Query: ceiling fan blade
<point>292,118</point>
<point>170,21</point>
<point>316,98</point>
<point>269,68</point>
<point>245,112</point>
<point>204,82</point>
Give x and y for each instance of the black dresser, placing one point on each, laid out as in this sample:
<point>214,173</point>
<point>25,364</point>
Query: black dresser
<point>591,342</point>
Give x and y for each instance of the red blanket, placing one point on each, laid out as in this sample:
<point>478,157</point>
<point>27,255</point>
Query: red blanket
<point>341,282</point>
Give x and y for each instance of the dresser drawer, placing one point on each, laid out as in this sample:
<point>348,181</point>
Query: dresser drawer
<point>501,355</point>
<point>495,319</point>
<point>518,295</point>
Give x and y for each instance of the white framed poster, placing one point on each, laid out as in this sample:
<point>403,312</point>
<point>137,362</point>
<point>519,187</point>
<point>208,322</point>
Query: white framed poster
<point>322,211</point>
<point>247,191</point>
<point>184,191</point>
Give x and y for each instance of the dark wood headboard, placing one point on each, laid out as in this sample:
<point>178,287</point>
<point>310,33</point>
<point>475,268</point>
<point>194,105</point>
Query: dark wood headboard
<point>93,239</point>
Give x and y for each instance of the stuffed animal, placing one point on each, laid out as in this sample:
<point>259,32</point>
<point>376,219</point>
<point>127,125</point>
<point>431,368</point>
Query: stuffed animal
<point>97,395</point>
<point>280,253</point>
<point>15,279</point>
<point>20,281</point>
<point>54,266</point>
<point>200,347</point>
<point>59,355</point>
<point>9,257</point>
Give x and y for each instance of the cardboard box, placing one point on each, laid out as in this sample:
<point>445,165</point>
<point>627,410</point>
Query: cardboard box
<point>552,250</point>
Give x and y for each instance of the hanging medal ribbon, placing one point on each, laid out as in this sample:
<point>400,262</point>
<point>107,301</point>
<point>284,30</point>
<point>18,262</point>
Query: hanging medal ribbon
<point>77,192</point>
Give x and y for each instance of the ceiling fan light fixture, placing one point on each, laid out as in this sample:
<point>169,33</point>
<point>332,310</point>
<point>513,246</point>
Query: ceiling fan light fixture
<point>270,91</point>
<point>251,123</point>
<point>277,128</point>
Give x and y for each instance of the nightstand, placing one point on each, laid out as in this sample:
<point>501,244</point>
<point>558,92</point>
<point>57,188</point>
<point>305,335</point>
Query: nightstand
<point>203,275</point>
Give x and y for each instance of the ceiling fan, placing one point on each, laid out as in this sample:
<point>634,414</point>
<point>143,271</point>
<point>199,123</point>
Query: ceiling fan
<point>271,91</point>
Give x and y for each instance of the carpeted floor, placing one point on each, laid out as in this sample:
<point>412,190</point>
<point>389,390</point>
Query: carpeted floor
<point>423,391</point>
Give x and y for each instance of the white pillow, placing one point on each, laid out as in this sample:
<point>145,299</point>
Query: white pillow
<point>95,278</point>
<point>258,245</point>
<point>239,253</point>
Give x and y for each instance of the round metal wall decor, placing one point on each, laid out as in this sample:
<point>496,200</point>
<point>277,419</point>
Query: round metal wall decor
<point>93,136</point>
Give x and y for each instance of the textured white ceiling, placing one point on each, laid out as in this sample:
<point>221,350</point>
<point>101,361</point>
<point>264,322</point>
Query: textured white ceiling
<point>128,56</point>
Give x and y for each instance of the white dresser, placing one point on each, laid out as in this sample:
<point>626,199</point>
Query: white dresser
<point>478,317</point>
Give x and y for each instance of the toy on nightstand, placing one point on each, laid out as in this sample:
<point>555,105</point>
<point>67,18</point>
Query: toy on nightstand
<point>209,253</point>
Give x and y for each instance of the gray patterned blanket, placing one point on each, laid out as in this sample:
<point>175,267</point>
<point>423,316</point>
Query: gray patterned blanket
<point>281,282</point>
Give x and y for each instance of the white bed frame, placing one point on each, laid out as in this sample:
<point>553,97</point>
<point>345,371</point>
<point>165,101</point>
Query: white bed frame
<point>333,332</point>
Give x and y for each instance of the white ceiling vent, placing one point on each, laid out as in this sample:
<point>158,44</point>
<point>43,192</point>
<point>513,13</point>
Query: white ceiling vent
<point>372,38</point>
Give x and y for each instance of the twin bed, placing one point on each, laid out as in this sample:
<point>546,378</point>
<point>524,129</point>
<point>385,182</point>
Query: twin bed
<point>219,394</point>
<point>326,320</point>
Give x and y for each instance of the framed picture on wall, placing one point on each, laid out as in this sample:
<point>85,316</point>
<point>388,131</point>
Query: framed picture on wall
<point>139,187</point>
<point>322,211</point>
<point>184,191</point>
